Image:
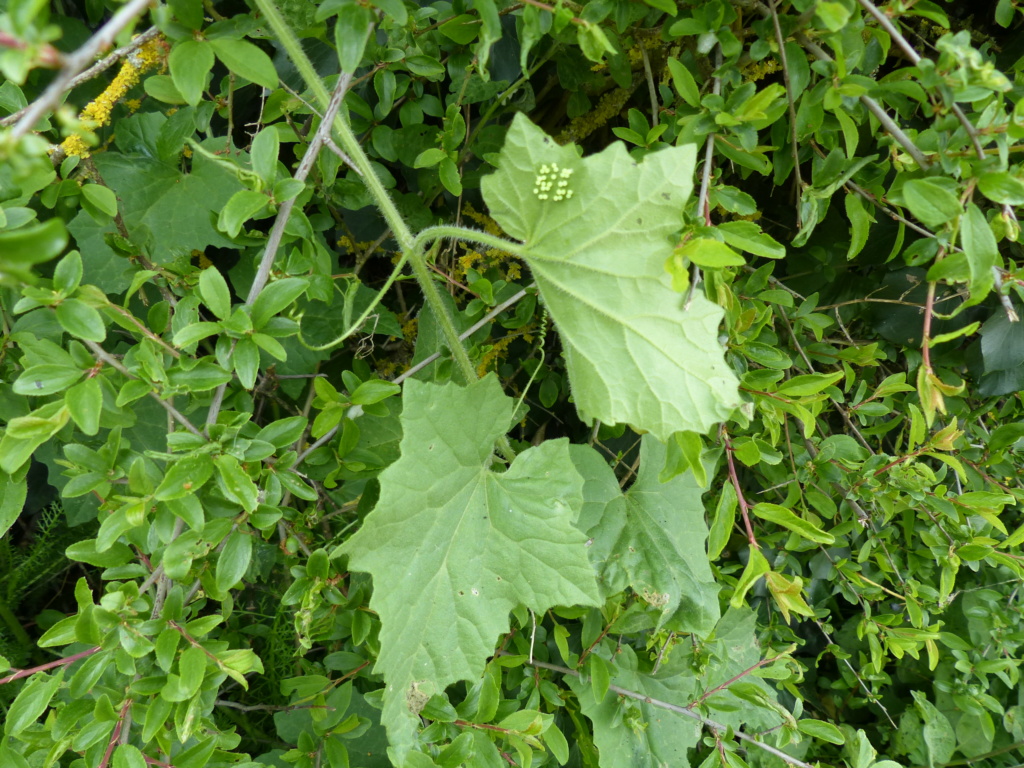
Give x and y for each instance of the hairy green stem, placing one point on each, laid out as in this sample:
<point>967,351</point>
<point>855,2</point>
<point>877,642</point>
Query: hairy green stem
<point>466,235</point>
<point>350,144</point>
<point>358,322</point>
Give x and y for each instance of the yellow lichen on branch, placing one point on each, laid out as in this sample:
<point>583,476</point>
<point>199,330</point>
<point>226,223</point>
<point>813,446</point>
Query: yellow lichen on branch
<point>96,113</point>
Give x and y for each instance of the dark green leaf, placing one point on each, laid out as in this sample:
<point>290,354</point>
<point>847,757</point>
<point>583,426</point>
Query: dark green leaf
<point>932,203</point>
<point>233,560</point>
<point>190,61</point>
<point>245,59</point>
<point>85,403</point>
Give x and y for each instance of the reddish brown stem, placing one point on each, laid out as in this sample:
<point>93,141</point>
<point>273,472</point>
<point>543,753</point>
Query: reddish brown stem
<point>593,645</point>
<point>744,506</point>
<point>20,673</point>
<point>116,735</point>
<point>733,679</point>
<point>551,8</point>
<point>48,56</point>
<point>900,460</point>
<point>926,353</point>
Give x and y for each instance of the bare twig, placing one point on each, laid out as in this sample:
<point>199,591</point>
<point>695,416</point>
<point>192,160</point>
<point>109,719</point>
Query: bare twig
<point>101,354</point>
<point>874,108</point>
<point>74,63</point>
<point>886,23</point>
<point>871,697</point>
<point>795,145</point>
<point>283,214</point>
<point>305,166</point>
<point>705,183</point>
<point>652,90</point>
<point>100,66</point>
<point>714,725</point>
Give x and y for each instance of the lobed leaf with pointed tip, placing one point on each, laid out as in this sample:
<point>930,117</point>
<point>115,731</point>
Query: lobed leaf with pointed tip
<point>453,546</point>
<point>635,355</point>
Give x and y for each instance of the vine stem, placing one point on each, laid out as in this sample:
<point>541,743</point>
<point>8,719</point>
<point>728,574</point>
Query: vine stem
<point>357,410</point>
<point>467,235</point>
<point>351,145</point>
<point>714,725</point>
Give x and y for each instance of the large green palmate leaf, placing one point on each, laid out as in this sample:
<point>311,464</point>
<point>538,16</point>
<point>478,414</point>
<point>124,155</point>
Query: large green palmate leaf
<point>653,538</point>
<point>169,210</point>
<point>596,232</point>
<point>453,545</point>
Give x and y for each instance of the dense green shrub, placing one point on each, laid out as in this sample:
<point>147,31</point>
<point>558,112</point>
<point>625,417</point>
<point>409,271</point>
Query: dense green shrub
<point>608,384</point>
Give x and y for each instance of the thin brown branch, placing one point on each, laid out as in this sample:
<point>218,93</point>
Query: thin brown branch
<point>20,673</point>
<point>101,354</point>
<point>886,23</point>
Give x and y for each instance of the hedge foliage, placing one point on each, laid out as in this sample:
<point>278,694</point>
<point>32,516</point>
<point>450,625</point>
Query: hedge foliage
<point>610,384</point>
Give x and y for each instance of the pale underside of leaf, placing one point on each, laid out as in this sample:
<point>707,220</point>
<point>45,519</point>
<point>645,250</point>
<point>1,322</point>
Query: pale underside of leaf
<point>635,353</point>
<point>453,546</point>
